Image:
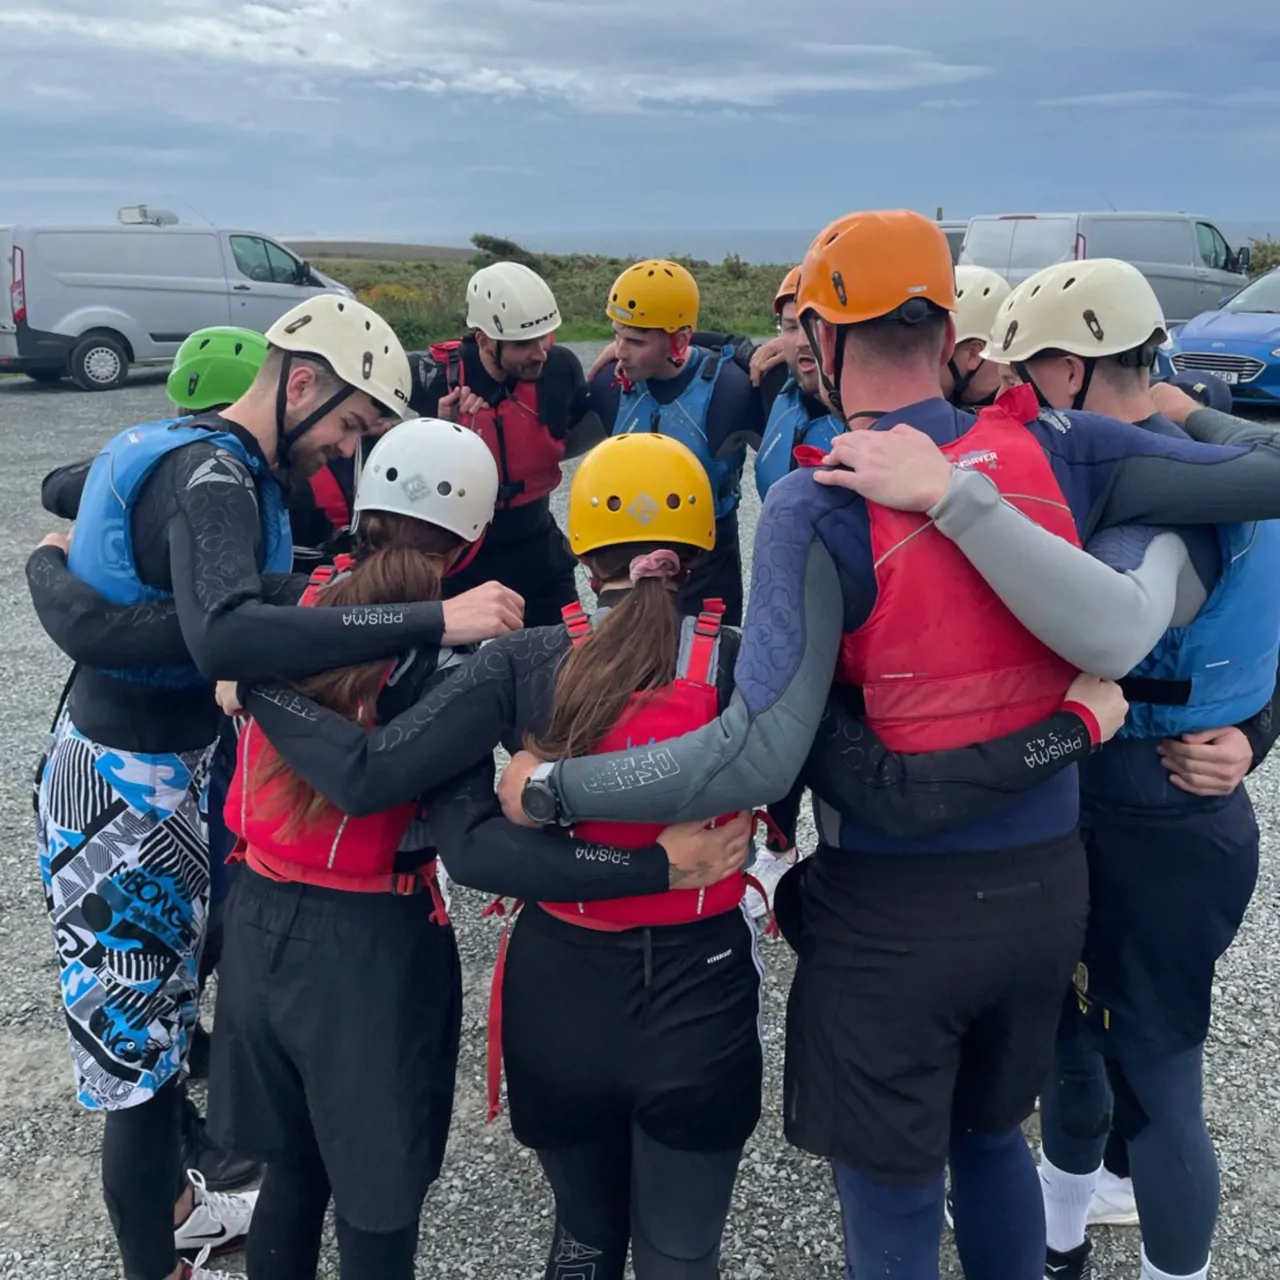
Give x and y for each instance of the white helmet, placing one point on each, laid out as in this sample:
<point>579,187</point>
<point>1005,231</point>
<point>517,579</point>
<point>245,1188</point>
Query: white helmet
<point>356,343</point>
<point>1101,307</point>
<point>433,471</point>
<point>511,303</point>
<point>979,293</point>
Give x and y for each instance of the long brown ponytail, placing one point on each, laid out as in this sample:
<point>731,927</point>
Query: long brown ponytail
<point>633,650</point>
<point>397,562</point>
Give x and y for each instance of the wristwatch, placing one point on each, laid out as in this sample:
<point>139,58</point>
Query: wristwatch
<point>538,799</point>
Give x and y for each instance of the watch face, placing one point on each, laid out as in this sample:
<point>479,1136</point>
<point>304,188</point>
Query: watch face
<point>538,802</point>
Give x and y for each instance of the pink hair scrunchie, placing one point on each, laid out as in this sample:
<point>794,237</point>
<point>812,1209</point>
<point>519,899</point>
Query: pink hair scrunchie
<point>657,564</point>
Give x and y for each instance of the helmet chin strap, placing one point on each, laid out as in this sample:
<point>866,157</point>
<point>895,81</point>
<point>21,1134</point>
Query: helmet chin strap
<point>1023,372</point>
<point>286,438</point>
<point>960,380</point>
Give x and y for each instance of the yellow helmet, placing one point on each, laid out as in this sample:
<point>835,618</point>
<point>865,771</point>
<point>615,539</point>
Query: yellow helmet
<point>640,487</point>
<point>654,294</point>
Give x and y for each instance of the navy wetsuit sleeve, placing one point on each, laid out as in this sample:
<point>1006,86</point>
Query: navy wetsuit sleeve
<point>912,796</point>
<point>735,416</point>
<point>482,850</point>
<point>586,429</point>
<point>1262,729</point>
<point>460,719</point>
<point>754,751</point>
<point>88,628</point>
<point>60,490</point>
<point>231,632</point>
<point>604,396</point>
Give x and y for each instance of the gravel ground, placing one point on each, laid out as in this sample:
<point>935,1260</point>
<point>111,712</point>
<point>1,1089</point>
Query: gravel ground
<point>489,1215</point>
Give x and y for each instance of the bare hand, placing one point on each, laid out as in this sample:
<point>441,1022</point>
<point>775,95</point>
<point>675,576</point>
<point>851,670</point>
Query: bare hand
<point>1104,699</point>
<point>768,355</point>
<point>60,540</point>
<point>480,614</point>
<point>1173,402</point>
<point>606,357</point>
<point>460,404</point>
<point>226,692</point>
<point>1211,763</point>
<point>900,468</point>
<point>511,787</point>
<point>699,855</point>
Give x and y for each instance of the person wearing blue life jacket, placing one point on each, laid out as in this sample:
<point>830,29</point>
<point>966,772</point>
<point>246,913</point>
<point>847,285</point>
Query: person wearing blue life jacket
<point>660,381</point>
<point>187,513</point>
<point>931,968</point>
<point>791,395</point>
<point>1171,856</point>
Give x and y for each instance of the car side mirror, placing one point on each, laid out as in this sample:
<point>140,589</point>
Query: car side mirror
<point>1244,259</point>
<point>305,274</point>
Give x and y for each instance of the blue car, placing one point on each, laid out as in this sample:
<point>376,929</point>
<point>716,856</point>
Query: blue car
<point>1239,343</point>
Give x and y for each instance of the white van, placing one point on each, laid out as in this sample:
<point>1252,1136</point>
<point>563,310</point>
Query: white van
<point>1186,258</point>
<point>88,302</point>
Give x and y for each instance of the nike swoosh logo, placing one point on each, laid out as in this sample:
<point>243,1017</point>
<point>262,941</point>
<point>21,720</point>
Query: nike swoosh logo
<point>209,1238</point>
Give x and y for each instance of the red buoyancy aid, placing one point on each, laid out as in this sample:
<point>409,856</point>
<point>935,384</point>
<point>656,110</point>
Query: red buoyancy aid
<point>335,850</point>
<point>330,498</point>
<point>941,661</point>
<point>527,454</point>
<point>688,702</point>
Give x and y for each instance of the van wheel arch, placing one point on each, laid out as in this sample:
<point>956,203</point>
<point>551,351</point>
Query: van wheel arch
<point>100,360</point>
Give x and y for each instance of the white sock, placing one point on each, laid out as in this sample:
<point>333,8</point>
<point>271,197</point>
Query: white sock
<point>1154,1273</point>
<point>1067,1197</point>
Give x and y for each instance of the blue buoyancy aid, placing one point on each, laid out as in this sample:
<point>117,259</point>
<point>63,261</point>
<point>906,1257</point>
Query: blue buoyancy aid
<point>790,425</point>
<point>1220,668</point>
<point>685,419</point>
<point>102,552</point>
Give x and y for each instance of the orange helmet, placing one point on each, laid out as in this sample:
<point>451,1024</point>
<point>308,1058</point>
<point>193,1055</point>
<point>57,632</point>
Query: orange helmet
<point>866,265</point>
<point>786,290</point>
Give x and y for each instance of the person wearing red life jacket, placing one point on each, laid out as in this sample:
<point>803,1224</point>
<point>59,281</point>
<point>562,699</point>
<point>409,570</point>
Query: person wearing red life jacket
<point>336,938</point>
<point>527,399</point>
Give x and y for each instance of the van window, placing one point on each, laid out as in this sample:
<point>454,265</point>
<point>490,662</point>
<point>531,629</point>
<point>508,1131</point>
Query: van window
<point>1040,242</point>
<point>149,251</point>
<point>987,243</point>
<point>1139,239</point>
<point>265,262</point>
<point>1213,248</point>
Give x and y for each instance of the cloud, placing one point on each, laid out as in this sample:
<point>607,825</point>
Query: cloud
<point>1118,98</point>
<point>585,53</point>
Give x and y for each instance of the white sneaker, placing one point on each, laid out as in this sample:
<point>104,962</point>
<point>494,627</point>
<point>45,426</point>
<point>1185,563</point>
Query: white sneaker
<point>198,1271</point>
<point>1113,1204</point>
<point>768,869</point>
<point>217,1223</point>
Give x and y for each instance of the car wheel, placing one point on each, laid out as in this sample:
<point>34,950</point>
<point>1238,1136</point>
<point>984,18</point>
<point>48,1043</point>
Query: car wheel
<point>99,363</point>
<point>46,375</point>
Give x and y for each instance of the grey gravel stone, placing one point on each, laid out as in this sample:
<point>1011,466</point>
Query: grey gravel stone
<point>488,1217</point>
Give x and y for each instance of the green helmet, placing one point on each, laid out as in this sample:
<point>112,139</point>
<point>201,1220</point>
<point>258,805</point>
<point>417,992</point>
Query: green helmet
<point>215,367</point>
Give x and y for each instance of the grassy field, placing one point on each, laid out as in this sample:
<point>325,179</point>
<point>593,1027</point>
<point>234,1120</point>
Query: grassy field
<point>425,301</point>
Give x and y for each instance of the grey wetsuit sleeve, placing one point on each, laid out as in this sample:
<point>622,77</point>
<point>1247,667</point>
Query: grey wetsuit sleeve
<point>754,751</point>
<point>1102,619</point>
<point>1212,426</point>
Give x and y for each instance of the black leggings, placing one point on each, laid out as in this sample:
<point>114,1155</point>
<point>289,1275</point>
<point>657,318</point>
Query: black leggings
<point>284,1238</point>
<point>140,1181</point>
<point>670,1205</point>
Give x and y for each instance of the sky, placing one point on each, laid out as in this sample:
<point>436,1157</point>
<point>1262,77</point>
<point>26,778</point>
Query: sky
<point>432,119</point>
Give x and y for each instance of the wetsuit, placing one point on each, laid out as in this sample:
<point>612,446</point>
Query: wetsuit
<point>792,417</point>
<point>845,1096</point>
<point>524,548</point>
<point>122,795</point>
<point>718,428</point>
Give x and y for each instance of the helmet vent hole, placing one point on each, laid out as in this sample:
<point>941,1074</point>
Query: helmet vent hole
<point>614,503</point>
<point>673,501</point>
<point>368,326</point>
<point>1068,285</point>
<point>205,343</point>
<point>444,488</point>
<point>1035,290</point>
<point>652,273</point>
<point>342,306</point>
<point>393,474</point>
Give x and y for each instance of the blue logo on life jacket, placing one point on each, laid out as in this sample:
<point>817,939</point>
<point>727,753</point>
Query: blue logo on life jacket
<point>790,425</point>
<point>1227,655</point>
<point>685,419</point>
<point>102,551</point>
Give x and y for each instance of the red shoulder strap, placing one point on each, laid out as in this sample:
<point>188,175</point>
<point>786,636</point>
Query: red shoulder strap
<point>699,667</point>
<point>330,498</point>
<point>577,622</point>
<point>448,354</point>
<point>323,575</point>
<point>808,455</point>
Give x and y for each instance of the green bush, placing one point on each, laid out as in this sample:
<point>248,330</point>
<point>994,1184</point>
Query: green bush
<point>1266,254</point>
<point>426,301</point>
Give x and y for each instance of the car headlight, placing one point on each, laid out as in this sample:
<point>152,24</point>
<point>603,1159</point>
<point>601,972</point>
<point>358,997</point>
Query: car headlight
<point>1276,353</point>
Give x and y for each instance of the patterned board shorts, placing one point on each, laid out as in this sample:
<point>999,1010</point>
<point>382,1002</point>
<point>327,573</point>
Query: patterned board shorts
<point>124,855</point>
